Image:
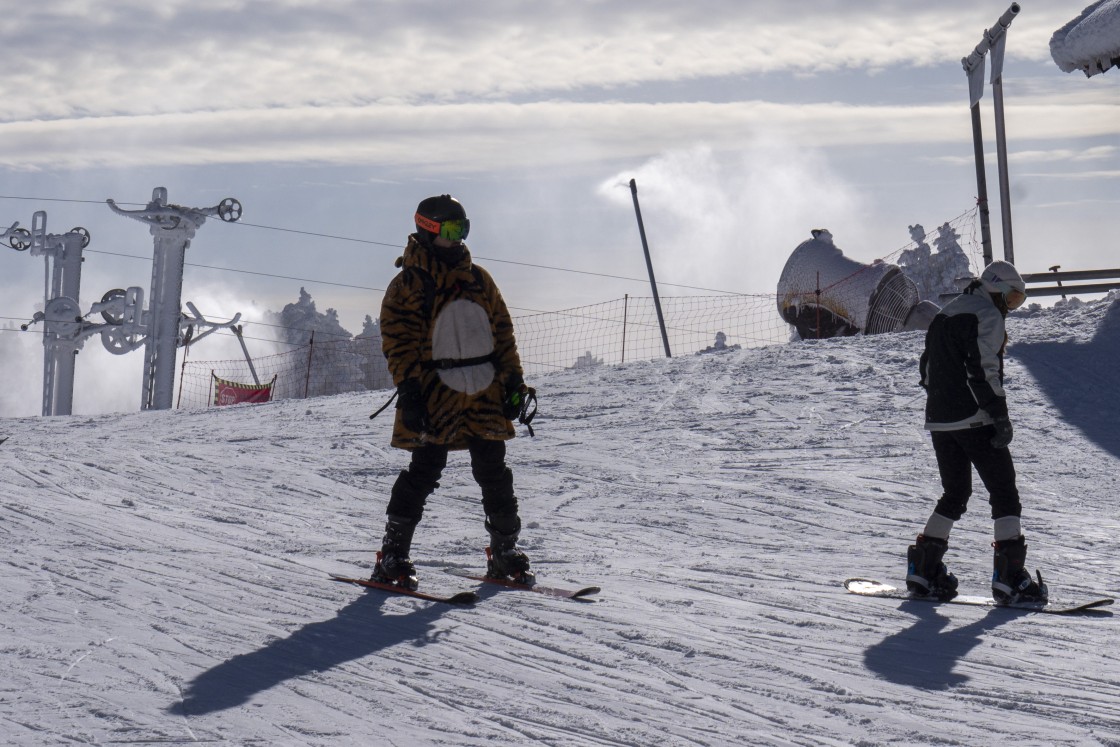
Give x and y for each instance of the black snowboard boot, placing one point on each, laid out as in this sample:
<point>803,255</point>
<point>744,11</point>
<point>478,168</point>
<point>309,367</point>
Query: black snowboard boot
<point>393,565</point>
<point>1011,581</point>
<point>926,575</point>
<point>504,558</point>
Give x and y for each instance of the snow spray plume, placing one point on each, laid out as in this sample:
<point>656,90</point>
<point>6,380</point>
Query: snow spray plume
<point>728,221</point>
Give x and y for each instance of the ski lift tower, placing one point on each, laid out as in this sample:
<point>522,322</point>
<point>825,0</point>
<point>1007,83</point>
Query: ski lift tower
<point>172,227</point>
<point>61,314</point>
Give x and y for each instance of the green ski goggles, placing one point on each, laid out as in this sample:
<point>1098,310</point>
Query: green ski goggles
<point>455,230</point>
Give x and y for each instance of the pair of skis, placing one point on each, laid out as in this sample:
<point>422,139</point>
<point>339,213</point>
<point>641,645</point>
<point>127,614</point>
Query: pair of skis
<point>470,597</point>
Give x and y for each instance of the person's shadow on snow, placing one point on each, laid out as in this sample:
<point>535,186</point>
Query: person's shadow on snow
<point>925,654</point>
<point>359,629</point>
<point>1081,378</point>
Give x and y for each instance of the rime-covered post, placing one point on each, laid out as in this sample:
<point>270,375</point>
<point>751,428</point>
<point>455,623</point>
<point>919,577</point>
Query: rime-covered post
<point>995,40</point>
<point>61,315</point>
<point>172,227</point>
<point>649,267</point>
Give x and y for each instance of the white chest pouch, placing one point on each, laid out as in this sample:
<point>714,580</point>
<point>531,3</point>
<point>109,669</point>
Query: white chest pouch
<point>461,332</point>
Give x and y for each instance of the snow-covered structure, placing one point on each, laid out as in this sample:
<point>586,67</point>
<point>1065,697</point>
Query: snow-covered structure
<point>719,346</point>
<point>822,293</point>
<point>1091,42</point>
<point>62,314</point>
<point>162,328</point>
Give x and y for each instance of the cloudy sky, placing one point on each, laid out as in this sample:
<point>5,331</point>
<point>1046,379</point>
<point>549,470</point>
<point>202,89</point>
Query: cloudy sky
<point>745,124</point>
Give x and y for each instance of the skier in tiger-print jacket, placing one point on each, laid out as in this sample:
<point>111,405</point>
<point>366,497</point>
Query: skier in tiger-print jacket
<point>449,342</point>
<point>443,307</point>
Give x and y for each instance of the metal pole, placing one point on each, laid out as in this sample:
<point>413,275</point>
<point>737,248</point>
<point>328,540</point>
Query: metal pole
<point>994,41</point>
<point>165,307</point>
<point>245,350</point>
<point>1055,269</point>
<point>310,357</point>
<point>981,186</point>
<point>649,267</point>
<point>1004,182</point>
<point>818,304</point>
<point>625,312</point>
<point>182,375</point>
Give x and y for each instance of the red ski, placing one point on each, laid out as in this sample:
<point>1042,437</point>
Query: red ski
<point>463,597</point>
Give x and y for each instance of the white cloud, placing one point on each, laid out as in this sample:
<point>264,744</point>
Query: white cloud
<point>1059,155</point>
<point>135,58</point>
<point>1080,175</point>
<point>422,84</point>
<point>1055,156</point>
<point>480,136</point>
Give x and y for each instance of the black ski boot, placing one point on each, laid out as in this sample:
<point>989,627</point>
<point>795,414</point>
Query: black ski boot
<point>926,575</point>
<point>393,565</point>
<point>1011,581</point>
<point>504,559</point>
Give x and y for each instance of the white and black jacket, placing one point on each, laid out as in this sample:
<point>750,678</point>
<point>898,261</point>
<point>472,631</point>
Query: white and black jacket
<point>962,365</point>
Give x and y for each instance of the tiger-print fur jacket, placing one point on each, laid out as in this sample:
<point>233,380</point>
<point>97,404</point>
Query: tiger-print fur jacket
<point>457,316</point>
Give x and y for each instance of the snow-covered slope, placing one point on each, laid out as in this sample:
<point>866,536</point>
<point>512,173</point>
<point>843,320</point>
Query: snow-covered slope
<point>165,573</point>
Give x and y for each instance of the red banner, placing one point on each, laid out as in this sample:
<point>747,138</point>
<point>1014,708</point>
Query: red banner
<point>232,393</point>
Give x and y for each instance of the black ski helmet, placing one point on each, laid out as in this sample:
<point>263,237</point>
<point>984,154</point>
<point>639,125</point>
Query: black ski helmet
<point>433,211</point>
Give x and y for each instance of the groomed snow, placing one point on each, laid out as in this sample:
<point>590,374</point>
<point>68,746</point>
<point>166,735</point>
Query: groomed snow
<point>165,573</point>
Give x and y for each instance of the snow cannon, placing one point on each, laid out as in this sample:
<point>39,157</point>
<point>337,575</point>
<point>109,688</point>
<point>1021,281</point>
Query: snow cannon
<point>1091,42</point>
<point>822,293</point>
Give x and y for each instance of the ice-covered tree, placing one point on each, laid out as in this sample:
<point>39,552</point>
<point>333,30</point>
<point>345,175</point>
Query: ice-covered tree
<point>375,368</point>
<point>935,272</point>
<point>335,364</point>
<point>300,319</point>
<point>587,360</point>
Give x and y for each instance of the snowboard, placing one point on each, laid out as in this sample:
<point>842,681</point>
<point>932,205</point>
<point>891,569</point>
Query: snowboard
<point>869,588</point>
<point>463,597</point>
<point>551,591</point>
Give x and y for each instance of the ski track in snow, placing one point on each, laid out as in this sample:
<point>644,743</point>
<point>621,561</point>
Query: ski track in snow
<point>165,573</point>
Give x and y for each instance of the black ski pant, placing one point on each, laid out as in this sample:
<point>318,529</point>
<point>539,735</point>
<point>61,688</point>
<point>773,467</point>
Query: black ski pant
<point>957,453</point>
<point>488,466</point>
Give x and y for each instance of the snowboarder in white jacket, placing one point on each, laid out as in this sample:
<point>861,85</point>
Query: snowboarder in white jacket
<point>966,414</point>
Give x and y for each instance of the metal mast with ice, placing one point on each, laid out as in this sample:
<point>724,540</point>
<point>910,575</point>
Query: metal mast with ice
<point>172,227</point>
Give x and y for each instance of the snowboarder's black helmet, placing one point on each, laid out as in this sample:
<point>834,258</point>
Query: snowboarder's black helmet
<point>441,215</point>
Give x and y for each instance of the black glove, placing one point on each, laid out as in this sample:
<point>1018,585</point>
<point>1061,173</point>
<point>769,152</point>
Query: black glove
<point>1003,433</point>
<point>997,409</point>
<point>514,401</point>
<point>414,412</point>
